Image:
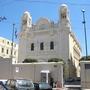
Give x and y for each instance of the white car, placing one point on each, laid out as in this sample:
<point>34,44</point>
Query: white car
<point>20,84</point>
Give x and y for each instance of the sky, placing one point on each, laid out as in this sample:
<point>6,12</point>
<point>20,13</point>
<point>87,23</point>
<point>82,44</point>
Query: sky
<point>14,9</point>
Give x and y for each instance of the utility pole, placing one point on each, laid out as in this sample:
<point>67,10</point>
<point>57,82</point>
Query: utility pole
<point>84,25</point>
<point>12,40</point>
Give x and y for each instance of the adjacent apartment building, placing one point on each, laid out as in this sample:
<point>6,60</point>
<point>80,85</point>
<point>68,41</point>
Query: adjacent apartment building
<point>46,39</point>
<point>6,49</point>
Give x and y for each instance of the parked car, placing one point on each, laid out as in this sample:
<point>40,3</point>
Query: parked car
<point>19,84</point>
<point>36,86</point>
<point>42,86</point>
<point>3,80</point>
<point>2,86</point>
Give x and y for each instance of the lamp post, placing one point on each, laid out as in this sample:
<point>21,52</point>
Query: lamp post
<point>84,25</point>
<point>11,72</point>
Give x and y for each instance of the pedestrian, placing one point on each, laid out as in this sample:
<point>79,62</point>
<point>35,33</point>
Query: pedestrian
<point>51,82</point>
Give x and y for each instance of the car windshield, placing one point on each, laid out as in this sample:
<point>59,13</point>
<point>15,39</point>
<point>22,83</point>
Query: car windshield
<point>44,85</point>
<point>25,83</point>
<point>2,87</point>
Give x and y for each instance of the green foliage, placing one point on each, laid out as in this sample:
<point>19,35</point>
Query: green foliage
<point>29,60</point>
<point>55,60</point>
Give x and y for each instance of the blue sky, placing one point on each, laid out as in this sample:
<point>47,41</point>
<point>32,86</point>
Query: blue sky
<point>14,9</point>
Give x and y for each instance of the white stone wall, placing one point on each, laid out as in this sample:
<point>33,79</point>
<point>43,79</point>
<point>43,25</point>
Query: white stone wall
<point>6,68</point>
<point>32,71</point>
<point>45,37</point>
<point>22,46</point>
<point>64,45</point>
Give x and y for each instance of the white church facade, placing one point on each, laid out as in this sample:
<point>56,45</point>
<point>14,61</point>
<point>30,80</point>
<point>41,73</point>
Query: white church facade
<point>46,39</point>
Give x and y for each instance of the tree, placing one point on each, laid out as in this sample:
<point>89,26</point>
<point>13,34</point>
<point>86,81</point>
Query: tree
<point>29,60</point>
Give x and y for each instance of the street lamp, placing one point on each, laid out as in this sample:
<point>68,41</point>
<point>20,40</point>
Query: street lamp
<point>84,25</point>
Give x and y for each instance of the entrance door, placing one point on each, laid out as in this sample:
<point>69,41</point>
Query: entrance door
<point>45,76</point>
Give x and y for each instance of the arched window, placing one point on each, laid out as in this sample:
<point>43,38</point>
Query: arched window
<point>2,50</point>
<point>32,46</point>
<point>51,45</point>
<point>7,51</point>
<point>41,46</point>
<point>63,15</point>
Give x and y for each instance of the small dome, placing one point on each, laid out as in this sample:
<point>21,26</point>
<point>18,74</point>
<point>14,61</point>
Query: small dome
<point>63,8</point>
<point>26,12</point>
<point>64,5</point>
<point>43,23</point>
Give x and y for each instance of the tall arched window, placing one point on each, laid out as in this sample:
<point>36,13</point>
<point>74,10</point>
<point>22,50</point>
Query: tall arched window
<point>41,46</point>
<point>32,46</point>
<point>51,45</point>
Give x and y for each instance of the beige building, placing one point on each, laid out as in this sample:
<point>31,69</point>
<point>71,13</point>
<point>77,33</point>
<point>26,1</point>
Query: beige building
<point>6,49</point>
<point>45,40</point>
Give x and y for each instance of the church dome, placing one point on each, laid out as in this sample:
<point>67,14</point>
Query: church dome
<point>63,8</point>
<point>64,5</point>
<point>27,13</point>
<point>43,23</point>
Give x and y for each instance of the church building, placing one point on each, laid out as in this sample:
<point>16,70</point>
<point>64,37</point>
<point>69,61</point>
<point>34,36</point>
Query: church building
<point>46,39</point>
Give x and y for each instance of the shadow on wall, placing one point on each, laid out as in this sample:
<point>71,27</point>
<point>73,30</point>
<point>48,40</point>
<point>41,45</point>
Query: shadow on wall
<point>69,69</point>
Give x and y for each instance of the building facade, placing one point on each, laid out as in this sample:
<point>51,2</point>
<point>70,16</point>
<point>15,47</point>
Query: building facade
<point>6,49</point>
<point>46,39</point>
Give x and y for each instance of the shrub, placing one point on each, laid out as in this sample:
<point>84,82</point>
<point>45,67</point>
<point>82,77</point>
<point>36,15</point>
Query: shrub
<point>55,60</point>
<point>29,60</point>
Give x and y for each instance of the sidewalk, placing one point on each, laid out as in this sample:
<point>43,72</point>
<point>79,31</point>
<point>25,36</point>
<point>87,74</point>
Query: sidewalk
<point>58,88</point>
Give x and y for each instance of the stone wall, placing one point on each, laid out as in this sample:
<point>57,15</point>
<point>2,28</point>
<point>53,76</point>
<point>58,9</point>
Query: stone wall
<point>5,68</point>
